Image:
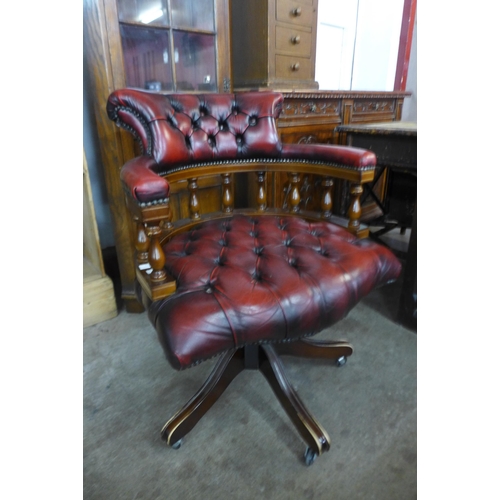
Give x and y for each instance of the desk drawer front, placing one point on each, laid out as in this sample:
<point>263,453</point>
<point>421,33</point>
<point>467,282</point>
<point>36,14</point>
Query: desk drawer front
<point>293,68</point>
<point>298,13</point>
<point>293,41</point>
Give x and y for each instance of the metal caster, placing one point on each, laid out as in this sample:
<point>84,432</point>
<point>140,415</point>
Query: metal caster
<point>310,456</point>
<point>341,361</point>
<point>177,445</point>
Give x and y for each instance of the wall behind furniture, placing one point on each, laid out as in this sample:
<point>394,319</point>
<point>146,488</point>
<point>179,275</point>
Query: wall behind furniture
<point>358,43</point>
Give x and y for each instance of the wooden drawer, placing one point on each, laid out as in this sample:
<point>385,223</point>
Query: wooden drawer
<point>293,68</point>
<point>288,11</point>
<point>293,41</point>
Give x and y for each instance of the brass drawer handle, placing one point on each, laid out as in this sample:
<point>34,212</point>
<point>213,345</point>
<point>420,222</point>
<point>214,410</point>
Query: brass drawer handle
<point>295,66</point>
<point>297,11</point>
<point>296,39</point>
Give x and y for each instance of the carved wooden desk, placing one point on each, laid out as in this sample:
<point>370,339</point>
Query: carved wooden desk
<point>395,145</point>
<point>313,116</point>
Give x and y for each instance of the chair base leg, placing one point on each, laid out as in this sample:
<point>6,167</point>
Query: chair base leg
<point>316,349</point>
<point>227,368</point>
<point>266,359</point>
<point>308,427</point>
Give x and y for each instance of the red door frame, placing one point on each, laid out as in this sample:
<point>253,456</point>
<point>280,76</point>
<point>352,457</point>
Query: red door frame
<point>409,9</point>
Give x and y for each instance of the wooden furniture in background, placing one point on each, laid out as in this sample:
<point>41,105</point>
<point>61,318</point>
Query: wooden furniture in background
<point>99,303</point>
<point>107,64</point>
<point>395,145</point>
<point>173,48</point>
<point>312,117</point>
<point>390,200</point>
<point>308,116</point>
<point>273,44</point>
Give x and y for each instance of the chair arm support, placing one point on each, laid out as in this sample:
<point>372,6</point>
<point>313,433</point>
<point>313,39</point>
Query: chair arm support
<point>354,158</point>
<point>142,182</point>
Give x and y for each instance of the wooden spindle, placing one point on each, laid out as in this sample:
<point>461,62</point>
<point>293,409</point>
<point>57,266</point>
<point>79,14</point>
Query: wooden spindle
<point>294,196</point>
<point>326,197</point>
<point>167,221</point>
<point>355,208</point>
<point>156,256</point>
<point>261,191</point>
<point>142,242</point>
<point>227,193</point>
<point>194,204</point>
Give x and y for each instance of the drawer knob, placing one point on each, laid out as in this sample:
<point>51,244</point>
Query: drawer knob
<point>296,39</point>
<point>295,66</point>
<point>297,11</point>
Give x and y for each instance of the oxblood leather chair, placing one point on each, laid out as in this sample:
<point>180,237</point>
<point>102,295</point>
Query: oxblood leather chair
<point>245,285</point>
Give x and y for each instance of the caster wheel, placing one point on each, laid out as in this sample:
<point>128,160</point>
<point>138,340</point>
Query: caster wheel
<point>341,361</point>
<point>177,445</point>
<point>310,456</point>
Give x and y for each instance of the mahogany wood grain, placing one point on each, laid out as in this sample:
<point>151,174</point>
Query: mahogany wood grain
<point>156,257</point>
<point>355,207</point>
<point>308,427</point>
<point>142,243</point>
<point>315,349</point>
<point>227,193</point>
<point>261,191</point>
<point>194,203</point>
<point>227,368</point>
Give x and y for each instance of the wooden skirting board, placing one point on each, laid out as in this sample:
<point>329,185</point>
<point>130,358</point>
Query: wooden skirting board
<point>99,302</point>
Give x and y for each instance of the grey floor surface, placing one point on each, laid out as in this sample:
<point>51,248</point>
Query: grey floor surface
<point>245,447</point>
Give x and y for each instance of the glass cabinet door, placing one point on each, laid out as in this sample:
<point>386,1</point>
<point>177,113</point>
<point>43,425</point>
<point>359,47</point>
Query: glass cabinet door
<point>198,14</point>
<point>169,45</point>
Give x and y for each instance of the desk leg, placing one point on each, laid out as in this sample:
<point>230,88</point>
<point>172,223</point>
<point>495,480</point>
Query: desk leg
<point>407,313</point>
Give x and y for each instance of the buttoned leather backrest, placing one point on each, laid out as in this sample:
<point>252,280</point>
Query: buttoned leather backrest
<point>179,129</point>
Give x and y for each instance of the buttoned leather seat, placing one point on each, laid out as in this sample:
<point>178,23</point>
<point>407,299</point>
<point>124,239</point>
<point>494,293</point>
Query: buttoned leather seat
<point>261,279</point>
<point>243,285</point>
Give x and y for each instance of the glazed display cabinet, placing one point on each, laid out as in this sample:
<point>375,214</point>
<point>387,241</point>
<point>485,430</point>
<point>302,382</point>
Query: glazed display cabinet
<point>170,45</point>
<point>157,45</point>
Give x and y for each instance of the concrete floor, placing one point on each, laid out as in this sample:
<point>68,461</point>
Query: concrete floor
<point>245,447</point>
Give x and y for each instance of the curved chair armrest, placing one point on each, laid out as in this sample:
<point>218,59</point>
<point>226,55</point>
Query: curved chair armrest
<point>142,182</point>
<point>352,157</point>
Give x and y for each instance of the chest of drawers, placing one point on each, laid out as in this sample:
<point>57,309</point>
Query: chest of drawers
<point>273,44</point>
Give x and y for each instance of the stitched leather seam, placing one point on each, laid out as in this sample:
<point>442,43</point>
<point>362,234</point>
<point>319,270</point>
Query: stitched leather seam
<point>244,161</point>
